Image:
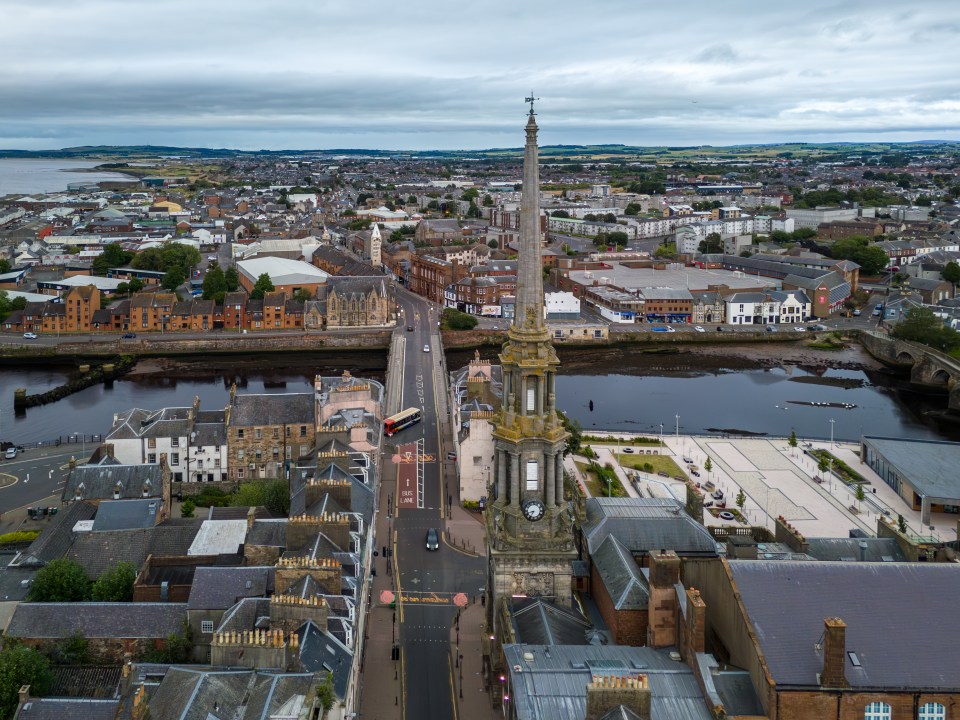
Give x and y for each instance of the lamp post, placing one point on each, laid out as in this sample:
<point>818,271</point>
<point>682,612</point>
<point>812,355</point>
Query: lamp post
<point>832,421</point>
<point>678,427</point>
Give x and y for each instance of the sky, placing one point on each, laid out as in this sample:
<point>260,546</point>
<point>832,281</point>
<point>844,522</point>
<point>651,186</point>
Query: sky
<point>317,74</point>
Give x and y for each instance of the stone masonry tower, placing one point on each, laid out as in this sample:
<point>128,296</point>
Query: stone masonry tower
<point>529,525</point>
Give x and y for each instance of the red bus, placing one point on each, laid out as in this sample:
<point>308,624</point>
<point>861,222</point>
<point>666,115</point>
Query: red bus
<point>396,423</point>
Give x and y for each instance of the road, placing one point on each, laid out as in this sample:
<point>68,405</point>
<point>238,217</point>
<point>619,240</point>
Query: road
<point>427,581</point>
<point>35,476</point>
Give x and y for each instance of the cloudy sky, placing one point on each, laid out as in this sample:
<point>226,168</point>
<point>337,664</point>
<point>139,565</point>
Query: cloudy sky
<point>430,74</point>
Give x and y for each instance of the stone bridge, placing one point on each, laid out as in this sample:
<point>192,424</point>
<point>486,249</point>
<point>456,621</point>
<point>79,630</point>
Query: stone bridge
<point>928,367</point>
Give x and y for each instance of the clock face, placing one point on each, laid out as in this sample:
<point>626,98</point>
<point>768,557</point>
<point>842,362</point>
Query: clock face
<point>533,510</point>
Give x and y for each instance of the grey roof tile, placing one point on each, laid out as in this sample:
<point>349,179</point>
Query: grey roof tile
<point>646,524</point>
<point>621,576</point>
<point>72,708</point>
<point>97,620</point>
<point>218,588</point>
<point>272,409</point>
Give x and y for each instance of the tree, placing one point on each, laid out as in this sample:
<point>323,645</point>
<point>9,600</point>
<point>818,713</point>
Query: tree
<point>859,494</point>
<point>187,508</point>
<point>4,265</point>
<point>116,584</point>
<point>560,214</point>
<point>872,260</point>
<point>271,494</point>
<point>493,244</point>
<point>951,272</point>
<point>741,499</point>
<point>632,209</point>
<point>919,324</point>
<point>263,285</point>
<point>233,279</point>
<point>5,305</point>
<point>301,295</point>
<point>610,218</point>
<point>60,580</point>
<point>617,237</point>
<point>456,320</point>
<point>901,524</point>
<point>487,201</point>
<point>19,666</point>
<point>708,465</point>
<point>214,284</point>
<point>135,285</point>
<point>113,255</point>
<point>412,200</point>
<point>713,243</point>
<point>173,278</point>
<point>667,250</point>
<point>123,288</point>
<point>823,463</point>
<point>793,439</point>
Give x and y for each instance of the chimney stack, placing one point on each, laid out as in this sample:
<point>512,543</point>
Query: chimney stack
<point>834,654</point>
<point>607,692</point>
<point>662,606</point>
<point>24,694</point>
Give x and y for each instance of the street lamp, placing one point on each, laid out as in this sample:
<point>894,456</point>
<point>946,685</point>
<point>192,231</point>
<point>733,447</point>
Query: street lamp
<point>832,421</point>
<point>678,427</point>
<point>661,434</point>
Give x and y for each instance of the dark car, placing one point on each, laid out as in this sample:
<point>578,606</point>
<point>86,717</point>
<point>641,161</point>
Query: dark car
<point>129,336</point>
<point>433,539</point>
<point>409,328</point>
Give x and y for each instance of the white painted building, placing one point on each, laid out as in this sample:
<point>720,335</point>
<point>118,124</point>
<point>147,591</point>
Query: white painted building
<point>561,306</point>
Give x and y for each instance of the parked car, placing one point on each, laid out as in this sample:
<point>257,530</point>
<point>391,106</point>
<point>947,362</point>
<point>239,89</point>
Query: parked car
<point>211,258</point>
<point>433,539</point>
<point>688,461</point>
<point>451,456</point>
<point>856,313</point>
<point>663,328</point>
<point>771,328</point>
<point>695,473</point>
<point>129,336</point>
<point>30,336</point>
<point>409,328</point>
<point>628,450</point>
<point>799,328</point>
<point>698,328</point>
<point>663,473</point>
<point>11,453</point>
<point>426,348</point>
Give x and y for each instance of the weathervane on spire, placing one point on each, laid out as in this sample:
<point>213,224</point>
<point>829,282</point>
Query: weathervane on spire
<point>531,100</point>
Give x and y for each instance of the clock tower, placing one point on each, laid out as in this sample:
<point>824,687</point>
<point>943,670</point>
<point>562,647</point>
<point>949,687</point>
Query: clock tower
<point>529,524</point>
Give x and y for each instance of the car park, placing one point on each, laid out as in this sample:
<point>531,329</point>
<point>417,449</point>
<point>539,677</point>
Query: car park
<point>30,336</point>
<point>433,539</point>
<point>699,328</point>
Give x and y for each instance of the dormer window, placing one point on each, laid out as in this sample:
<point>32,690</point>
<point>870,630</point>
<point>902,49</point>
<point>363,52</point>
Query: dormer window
<point>116,491</point>
<point>147,488</point>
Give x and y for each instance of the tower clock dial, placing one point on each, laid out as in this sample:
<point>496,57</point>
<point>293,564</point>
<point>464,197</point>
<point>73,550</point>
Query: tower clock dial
<point>533,510</point>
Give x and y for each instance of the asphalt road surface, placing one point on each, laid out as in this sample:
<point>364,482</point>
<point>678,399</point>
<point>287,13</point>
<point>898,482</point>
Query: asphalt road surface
<point>35,476</point>
<point>427,580</point>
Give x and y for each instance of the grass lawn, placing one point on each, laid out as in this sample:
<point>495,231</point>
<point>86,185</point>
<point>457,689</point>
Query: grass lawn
<point>595,487</point>
<point>659,462</point>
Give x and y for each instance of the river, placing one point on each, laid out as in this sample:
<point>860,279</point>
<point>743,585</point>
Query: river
<point>27,176</point>
<point>753,400</point>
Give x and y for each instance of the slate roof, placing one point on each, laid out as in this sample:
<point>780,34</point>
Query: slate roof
<point>218,588</point>
<point>205,693</point>
<point>540,622</point>
<point>786,603</point>
<point>320,651</point>
<point>73,708</point>
<point>126,514</point>
<point>877,549</point>
<point>272,409</point>
<point>622,578</point>
<point>272,533</point>
<point>99,482</point>
<point>98,552</point>
<point>646,524</point>
<point>55,539</point>
<point>553,685</point>
<point>247,614</point>
<point>97,620</point>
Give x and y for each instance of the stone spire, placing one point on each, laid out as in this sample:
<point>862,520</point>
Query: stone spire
<point>529,306</point>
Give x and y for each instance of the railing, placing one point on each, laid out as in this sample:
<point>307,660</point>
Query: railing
<point>63,440</point>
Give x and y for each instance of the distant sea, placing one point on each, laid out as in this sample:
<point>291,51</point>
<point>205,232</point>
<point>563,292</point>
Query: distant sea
<point>21,176</point>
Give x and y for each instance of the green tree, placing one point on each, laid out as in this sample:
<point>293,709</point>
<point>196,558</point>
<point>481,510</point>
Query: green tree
<point>632,209</point>
<point>951,272</point>
<point>135,285</point>
<point>214,284</point>
<point>741,499</point>
<point>667,250</point>
<point>920,325</point>
<point>901,524</point>
<point>412,200</point>
<point>74,650</point>
<point>301,295</point>
<point>713,243</point>
<point>859,494</point>
<point>575,434</point>
<point>113,256</point>
<point>456,320</point>
<point>493,244</point>
<point>271,494</point>
<point>173,278</point>
<point>187,508</point>
<point>123,288</point>
<point>823,463</point>
<point>617,237</point>
<point>19,666</point>
<point>263,286</point>
<point>793,439</point>
<point>4,266</point>
<point>708,465</point>
<point>60,580</point>
<point>116,584</point>
<point>149,259</point>
<point>560,214</point>
<point>233,279</point>
<point>487,201</point>
<point>872,260</point>
<point>5,305</point>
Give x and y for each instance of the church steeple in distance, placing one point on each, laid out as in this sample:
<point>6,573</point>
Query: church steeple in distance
<point>529,523</point>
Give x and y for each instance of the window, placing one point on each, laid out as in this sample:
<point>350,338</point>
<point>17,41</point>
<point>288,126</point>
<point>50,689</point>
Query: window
<point>276,452</point>
<point>239,454</point>
<point>174,442</point>
<point>276,433</point>
<point>151,443</point>
<point>877,711</point>
<point>303,431</point>
<point>258,433</point>
<point>477,459</point>
<point>177,477</point>
<point>531,396</point>
<point>532,470</point>
<point>216,462</point>
<point>239,473</point>
<point>206,626</point>
<point>175,459</point>
<point>200,464</point>
<point>152,458</point>
<point>258,453</point>
<point>239,434</point>
<point>932,711</point>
